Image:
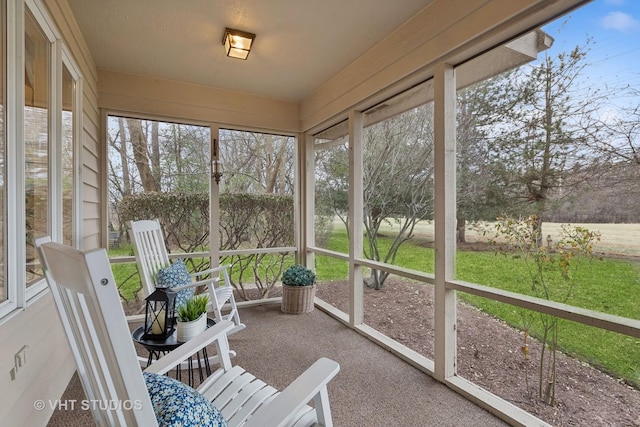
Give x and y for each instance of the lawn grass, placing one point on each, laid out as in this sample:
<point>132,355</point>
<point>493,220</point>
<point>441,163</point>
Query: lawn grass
<point>606,285</point>
<point>609,285</point>
<point>126,275</point>
<point>410,255</point>
<point>128,280</point>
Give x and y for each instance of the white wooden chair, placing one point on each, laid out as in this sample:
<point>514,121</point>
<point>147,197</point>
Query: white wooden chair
<point>151,255</point>
<point>88,303</point>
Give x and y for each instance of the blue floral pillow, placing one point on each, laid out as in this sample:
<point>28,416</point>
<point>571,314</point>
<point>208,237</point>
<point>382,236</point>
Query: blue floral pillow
<point>176,275</point>
<point>177,404</point>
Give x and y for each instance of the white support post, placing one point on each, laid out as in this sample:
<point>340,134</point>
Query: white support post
<point>445,219</point>
<point>356,300</point>
<point>306,199</point>
<point>214,199</point>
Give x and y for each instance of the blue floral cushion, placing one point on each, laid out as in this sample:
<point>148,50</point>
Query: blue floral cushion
<point>176,275</point>
<point>177,404</point>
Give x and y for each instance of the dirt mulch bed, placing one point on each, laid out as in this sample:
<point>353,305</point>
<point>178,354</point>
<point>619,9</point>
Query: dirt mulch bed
<point>489,354</point>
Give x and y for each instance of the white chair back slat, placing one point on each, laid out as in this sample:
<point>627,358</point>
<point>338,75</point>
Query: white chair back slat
<point>89,306</point>
<point>85,366</point>
<point>102,386</point>
<point>150,251</point>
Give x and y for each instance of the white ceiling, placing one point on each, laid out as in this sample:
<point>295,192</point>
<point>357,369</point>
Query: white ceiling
<point>300,44</point>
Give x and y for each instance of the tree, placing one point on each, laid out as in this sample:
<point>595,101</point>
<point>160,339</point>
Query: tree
<point>148,171</point>
<point>257,163</point>
<point>331,189</point>
<point>545,137</point>
<point>398,181</point>
<point>119,176</point>
<point>480,107</point>
<point>551,270</point>
<point>618,150</point>
<point>184,158</point>
<point>151,156</point>
<point>256,206</point>
<point>620,139</point>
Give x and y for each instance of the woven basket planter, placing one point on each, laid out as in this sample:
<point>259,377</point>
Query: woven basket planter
<point>297,299</point>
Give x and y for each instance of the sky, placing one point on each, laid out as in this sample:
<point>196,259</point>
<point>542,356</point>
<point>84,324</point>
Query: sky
<point>614,27</point>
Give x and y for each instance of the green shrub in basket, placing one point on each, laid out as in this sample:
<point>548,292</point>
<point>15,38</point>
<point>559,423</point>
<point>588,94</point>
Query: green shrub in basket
<point>298,275</point>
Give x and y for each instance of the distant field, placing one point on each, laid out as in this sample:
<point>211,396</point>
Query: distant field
<point>615,239</point>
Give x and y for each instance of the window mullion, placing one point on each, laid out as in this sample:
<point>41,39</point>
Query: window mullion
<point>14,243</point>
<point>55,144</point>
<point>76,124</point>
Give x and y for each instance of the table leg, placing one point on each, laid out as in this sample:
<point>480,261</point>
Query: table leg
<point>205,356</point>
<point>190,365</point>
<point>150,358</point>
<point>157,354</point>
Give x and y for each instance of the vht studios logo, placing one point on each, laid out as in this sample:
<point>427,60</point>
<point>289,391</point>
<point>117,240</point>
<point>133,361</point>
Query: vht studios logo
<point>89,404</point>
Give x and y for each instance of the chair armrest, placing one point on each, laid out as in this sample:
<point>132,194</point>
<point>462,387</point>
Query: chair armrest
<point>207,271</point>
<point>174,358</point>
<point>220,269</point>
<point>310,385</point>
<point>214,280</point>
<point>195,284</point>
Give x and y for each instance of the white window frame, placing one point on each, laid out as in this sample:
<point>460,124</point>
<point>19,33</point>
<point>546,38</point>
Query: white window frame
<point>74,70</point>
<point>18,295</point>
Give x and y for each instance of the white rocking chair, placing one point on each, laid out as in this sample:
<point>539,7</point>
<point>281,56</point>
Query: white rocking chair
<point>85,295</point>
<point>151,255</point>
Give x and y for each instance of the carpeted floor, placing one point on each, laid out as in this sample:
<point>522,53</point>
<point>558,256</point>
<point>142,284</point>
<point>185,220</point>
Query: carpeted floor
<point>373,388</point>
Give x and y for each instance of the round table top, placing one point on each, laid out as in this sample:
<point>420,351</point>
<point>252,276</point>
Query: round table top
<point>168,344</point>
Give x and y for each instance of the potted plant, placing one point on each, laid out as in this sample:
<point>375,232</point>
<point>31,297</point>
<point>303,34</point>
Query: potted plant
<point>192,317</point>
<point>298,290</point>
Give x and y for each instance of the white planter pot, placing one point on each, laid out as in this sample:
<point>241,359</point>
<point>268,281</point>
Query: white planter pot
<point>188,330</point>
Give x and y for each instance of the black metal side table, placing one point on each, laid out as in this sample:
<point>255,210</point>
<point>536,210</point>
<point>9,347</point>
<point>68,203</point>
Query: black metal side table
<point>158,348</point>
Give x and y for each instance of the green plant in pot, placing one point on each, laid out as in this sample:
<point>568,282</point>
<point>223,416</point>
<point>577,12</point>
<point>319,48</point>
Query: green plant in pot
<point>298,275</point>
<point>298,290</point>
<point>192,317</point>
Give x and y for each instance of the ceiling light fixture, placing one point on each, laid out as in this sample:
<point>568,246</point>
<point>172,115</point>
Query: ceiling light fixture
<point>237,44</point>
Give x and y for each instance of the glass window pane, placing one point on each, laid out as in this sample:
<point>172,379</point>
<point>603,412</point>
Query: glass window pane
<point>398,182</point>
<point>548,206</point>
<point>257,163</point>
<point>256,207</point>
<point>546,168</point>
<point>331,150</point>
<point>157,170</point>
<point>332,281</point>
<point>36,141</point>
<point>68,150</point>
<point>529,358</point>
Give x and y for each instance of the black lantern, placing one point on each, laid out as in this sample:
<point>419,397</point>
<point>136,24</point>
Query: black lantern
<point>159,314</point>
